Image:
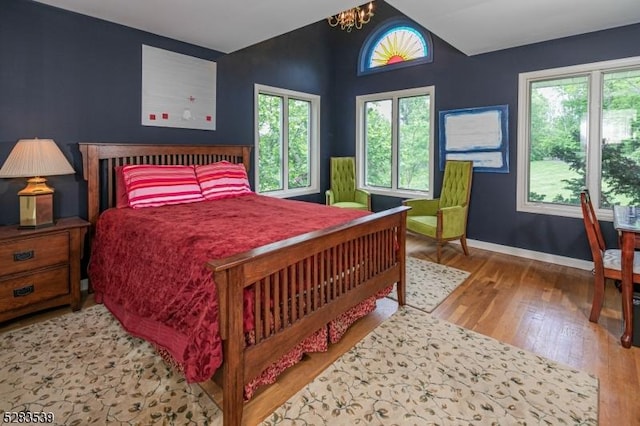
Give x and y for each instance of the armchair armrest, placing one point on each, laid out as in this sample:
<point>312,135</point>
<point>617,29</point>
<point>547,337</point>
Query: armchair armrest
<point>422,206</point>
<point>453,221</point>
<point>363,197</point>
<point>330,198</point>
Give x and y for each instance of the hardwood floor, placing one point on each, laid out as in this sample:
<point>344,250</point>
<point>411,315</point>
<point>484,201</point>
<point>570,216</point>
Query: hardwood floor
<point>537,306</point>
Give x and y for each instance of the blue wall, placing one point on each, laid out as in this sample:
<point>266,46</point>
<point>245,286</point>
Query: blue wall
<point>482,80</point>
<point>301,61</point>
<point>75,79</point>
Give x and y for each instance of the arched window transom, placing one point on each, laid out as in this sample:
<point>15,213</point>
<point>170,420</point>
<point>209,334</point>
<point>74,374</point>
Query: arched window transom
<point>395,43</point>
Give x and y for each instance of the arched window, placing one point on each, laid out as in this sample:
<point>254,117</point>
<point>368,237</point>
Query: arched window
<point>396,43</point>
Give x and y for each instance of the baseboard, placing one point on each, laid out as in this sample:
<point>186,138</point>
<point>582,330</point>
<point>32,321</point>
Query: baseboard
<point>530,254</point>
<point>84,284</point>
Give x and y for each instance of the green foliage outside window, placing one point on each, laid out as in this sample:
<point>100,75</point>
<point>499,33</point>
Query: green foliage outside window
<point>413,129</point>
<point>270,143</point>
<point>559,128</point>
<point>299,143</point>
<point>414,143</point>
<point>272,117</point>
<point>378,143</point>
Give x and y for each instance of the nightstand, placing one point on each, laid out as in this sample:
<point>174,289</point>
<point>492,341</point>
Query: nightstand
<point>40,268</point>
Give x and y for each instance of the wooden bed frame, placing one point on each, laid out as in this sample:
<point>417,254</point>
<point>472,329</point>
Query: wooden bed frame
<point>312,278</point>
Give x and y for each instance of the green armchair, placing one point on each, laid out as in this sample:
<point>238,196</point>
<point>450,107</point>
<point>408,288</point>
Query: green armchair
<point>343,192</point>
<point>444,219</point>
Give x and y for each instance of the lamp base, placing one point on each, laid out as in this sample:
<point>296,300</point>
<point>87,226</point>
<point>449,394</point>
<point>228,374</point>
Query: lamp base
<point>36,211</point>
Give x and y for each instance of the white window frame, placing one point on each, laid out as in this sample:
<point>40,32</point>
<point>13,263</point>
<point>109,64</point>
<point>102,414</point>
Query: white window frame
<point>360,141</point>
<point>594,71</point>
<point>314,140</point>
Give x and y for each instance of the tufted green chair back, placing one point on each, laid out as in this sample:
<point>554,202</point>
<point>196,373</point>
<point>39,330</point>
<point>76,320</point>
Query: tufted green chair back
<point>456,184</point>
<point>343,178</point>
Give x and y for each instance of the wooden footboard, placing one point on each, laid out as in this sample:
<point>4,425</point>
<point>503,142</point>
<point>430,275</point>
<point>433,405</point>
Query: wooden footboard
<point>299,285</point>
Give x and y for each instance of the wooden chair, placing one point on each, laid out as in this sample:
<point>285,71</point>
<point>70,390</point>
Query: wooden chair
<point>607,263</point>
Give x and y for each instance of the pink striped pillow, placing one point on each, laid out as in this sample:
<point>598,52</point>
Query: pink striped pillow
<point>154,186</point>
<point>223,180</point>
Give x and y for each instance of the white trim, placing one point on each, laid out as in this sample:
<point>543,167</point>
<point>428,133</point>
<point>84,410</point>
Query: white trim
<point>594,73</point>
<point>530,254</point>
<point>314,140</point>
<point>397,193</point>
<point>394,96</point>
<point>569,71</point>
<point>288,193</point>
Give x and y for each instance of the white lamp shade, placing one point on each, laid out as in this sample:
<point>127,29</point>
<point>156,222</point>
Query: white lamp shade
<point>35,157</point>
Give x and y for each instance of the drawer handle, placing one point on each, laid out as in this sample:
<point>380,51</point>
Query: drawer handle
<point>21,256</point>
<point>23,291</point>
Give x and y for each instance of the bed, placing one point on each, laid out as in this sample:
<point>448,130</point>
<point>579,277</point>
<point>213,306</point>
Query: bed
<point>282,291</point>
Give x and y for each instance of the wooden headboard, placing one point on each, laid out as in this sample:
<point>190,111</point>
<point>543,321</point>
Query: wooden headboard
<point>100,159</point>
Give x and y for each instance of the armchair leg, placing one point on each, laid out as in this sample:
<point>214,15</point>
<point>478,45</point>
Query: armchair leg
<point>438,251</point>
<point>463,243</point>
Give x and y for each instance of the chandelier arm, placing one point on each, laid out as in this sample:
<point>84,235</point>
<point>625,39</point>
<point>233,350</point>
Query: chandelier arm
<point>354,17</point>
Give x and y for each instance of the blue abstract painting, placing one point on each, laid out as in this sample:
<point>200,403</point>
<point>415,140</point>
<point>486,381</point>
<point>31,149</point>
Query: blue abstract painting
<point>477,134</point>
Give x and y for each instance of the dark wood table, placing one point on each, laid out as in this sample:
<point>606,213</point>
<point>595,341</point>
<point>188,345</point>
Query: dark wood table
<point>626,220</point>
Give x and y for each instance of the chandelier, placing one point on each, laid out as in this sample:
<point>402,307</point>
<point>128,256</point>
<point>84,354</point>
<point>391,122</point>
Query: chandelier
<point>352,18</point>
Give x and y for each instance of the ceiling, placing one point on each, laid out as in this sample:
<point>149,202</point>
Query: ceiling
<point>471,26</point>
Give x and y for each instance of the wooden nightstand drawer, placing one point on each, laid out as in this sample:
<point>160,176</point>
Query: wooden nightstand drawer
<point>40,268</point>
<point>28,254</point>
<point>27,289</point>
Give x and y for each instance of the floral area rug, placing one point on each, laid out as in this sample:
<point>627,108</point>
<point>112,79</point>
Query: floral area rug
<point>418,370</point>
<point>429,283</point>
<point>85,369</point>
<point>412,369</point>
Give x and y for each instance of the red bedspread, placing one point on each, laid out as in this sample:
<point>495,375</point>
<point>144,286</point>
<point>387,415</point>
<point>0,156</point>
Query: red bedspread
<point>148,265</point>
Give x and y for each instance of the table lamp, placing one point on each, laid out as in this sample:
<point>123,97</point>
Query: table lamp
<point>34,159</point>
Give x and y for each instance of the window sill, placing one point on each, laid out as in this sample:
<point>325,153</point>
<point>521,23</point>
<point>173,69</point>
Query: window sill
<point>563,210</point>
<point>290,193</point>
<point>398,193</point>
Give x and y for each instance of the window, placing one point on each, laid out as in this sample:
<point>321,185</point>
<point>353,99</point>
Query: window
<point>394,133</point>
<point>395,43</point>
<point>579,127</point>
<point>287,142</point>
